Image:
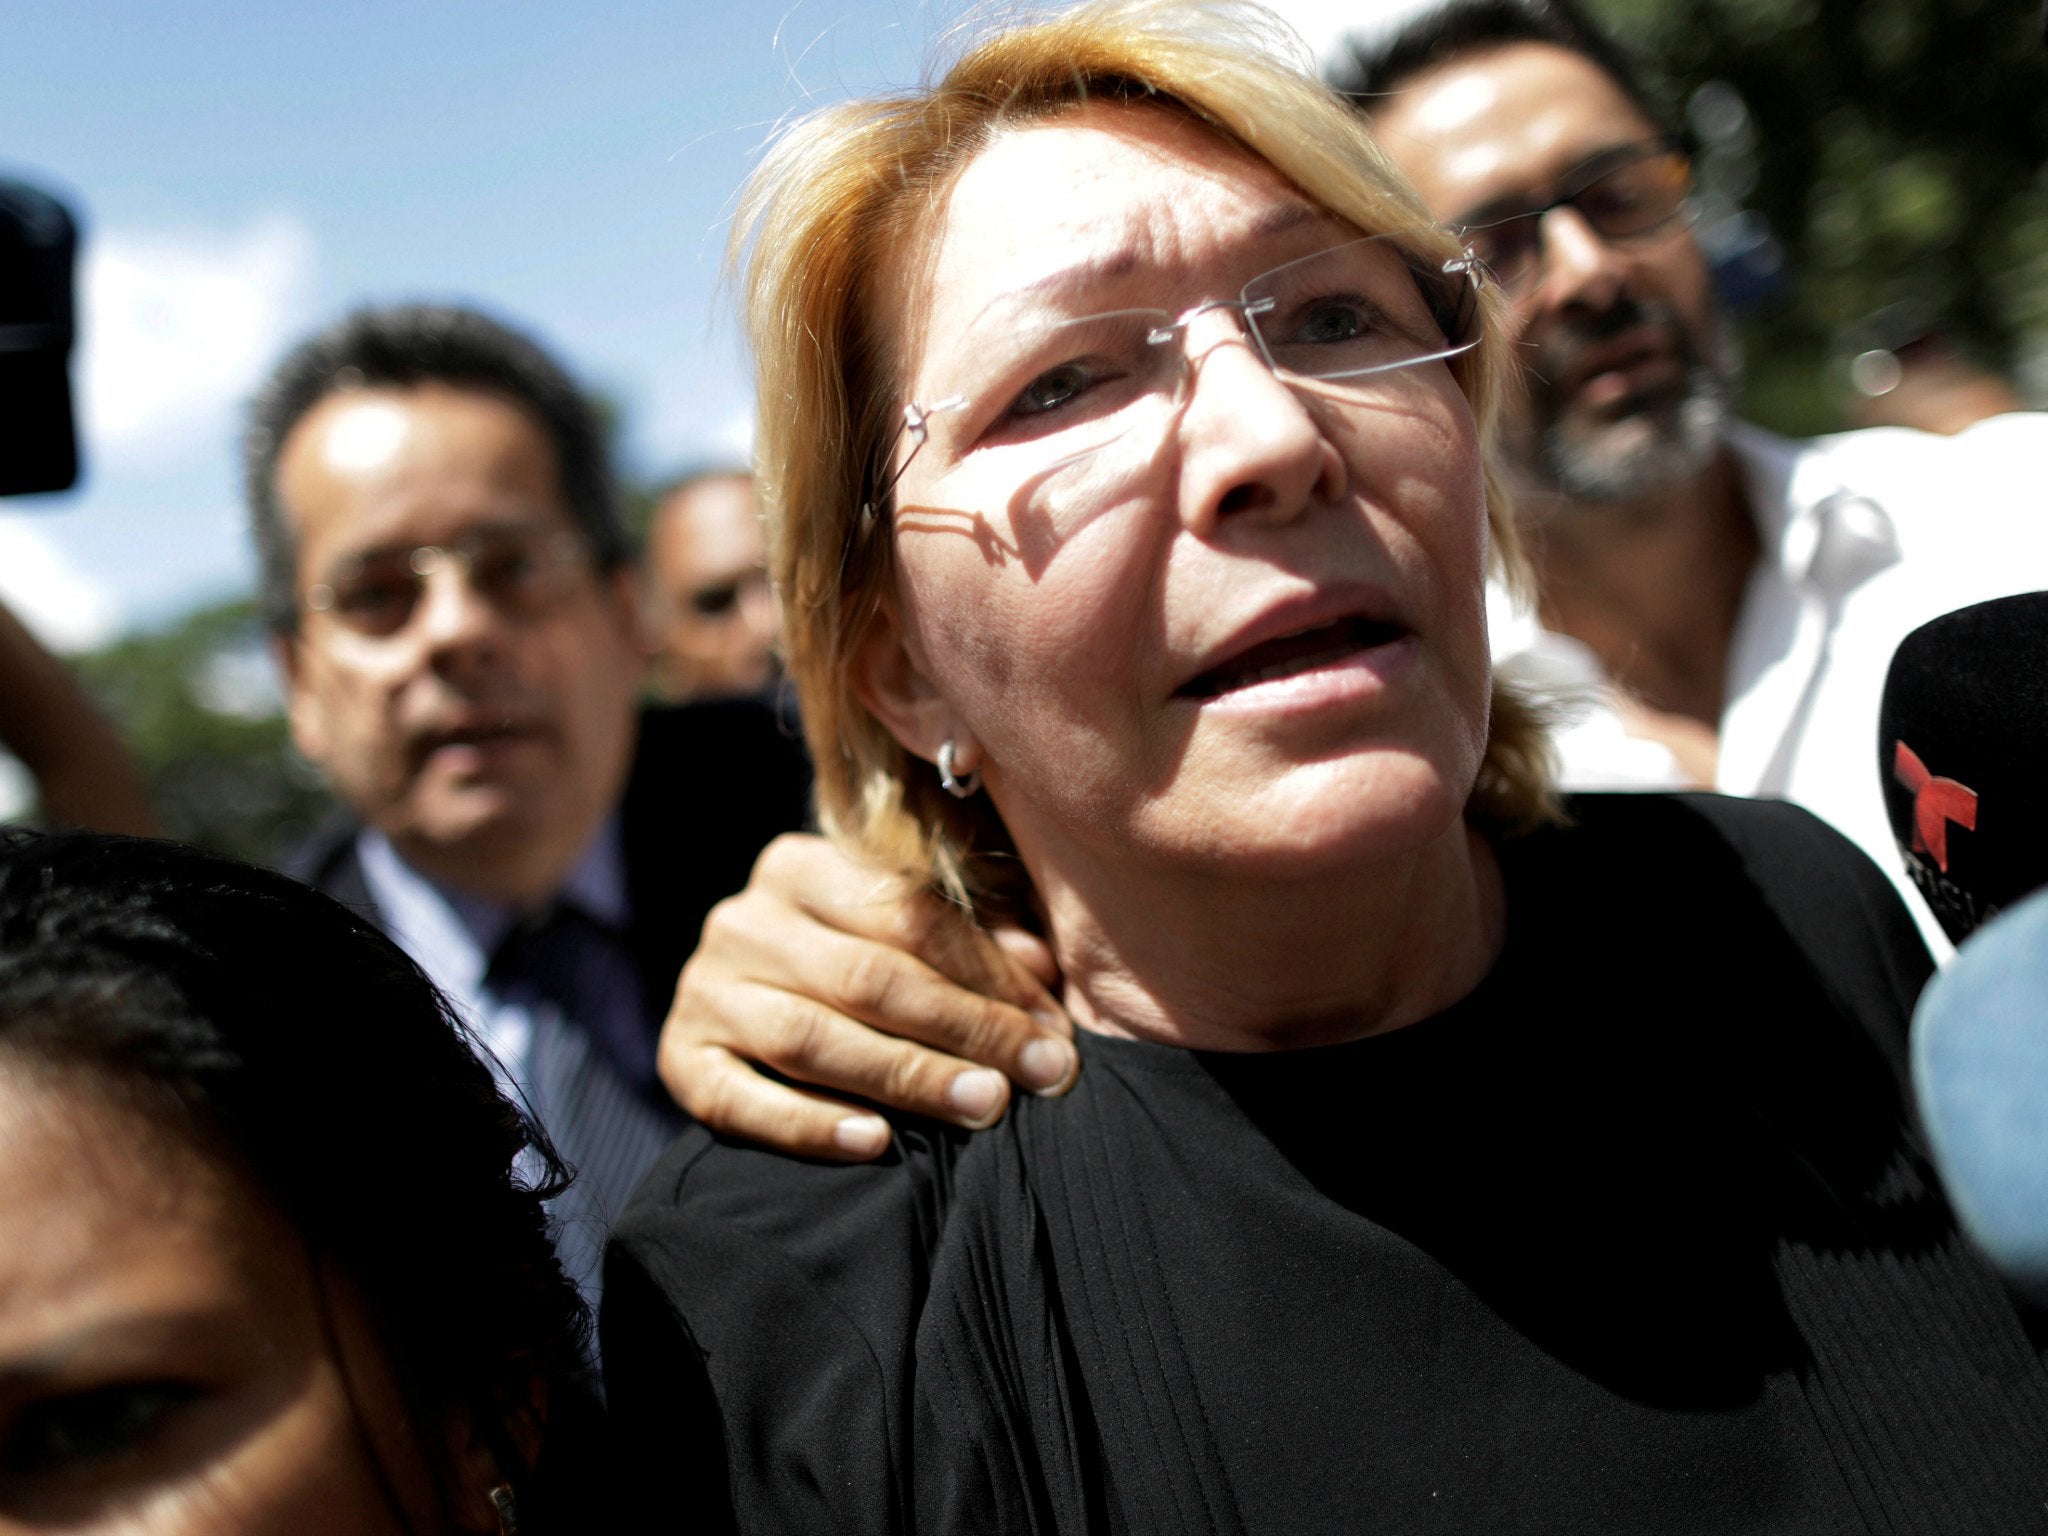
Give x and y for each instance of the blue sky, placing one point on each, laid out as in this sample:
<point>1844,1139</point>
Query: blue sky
<point>247,171</point>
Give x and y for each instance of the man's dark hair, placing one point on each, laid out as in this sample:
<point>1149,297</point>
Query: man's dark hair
<point>272,1027</point>
<point>688,478</point>
<point>1365,67</point>
<point>703,472</point>
<point>402,347</point>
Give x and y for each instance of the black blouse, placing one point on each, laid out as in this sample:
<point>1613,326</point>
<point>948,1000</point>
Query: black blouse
<point>1637,1237</point>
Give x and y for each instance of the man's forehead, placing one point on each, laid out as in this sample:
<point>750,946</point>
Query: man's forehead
<point>712,499</point>
<point>708,529</point>
<point>1504,121</point>
<point>378,465</point>
<point>364,432</point>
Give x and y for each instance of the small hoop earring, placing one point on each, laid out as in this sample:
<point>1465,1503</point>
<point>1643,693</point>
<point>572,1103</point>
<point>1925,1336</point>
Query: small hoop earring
<point>952,783</point>
<point>507,1508</point>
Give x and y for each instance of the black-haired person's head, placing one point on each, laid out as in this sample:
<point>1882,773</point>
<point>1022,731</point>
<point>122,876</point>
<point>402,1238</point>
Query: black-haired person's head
<point>407,346</point>
<point>275,1252</point>
<point>1530,133</point>
<point>1369,63</point>
<point>711,611</point>
<point>446,583</point>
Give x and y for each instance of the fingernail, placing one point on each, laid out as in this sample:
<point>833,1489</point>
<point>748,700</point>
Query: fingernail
<point>977,1094</point>
<point>1045,1063</point>
<point>1052,1021</point>
<point>861,1135</point>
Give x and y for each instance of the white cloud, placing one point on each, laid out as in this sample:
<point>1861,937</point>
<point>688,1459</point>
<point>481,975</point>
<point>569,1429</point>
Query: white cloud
<point>65,609</point>
<point>690,419</point>
<point>178,327</point>
<point>734,438</point>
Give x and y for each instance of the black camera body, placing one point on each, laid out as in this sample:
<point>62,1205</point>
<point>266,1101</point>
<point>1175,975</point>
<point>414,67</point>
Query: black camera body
<point>38,252</point>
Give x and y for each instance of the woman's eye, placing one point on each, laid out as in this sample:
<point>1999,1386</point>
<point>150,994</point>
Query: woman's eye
<point>1052,389</point>
<point>1334,320</point>
<point>87,1426</point>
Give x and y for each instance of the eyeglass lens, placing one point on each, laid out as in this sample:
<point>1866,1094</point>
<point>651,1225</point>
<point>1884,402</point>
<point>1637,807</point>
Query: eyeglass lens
<point>1340,320</point>
<point>1620,198</point>
<point>518,574</point>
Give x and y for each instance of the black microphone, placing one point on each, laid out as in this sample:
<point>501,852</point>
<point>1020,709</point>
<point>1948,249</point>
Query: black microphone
<point>1963,757</point>
<point>38,247</point>
<point>1963,751</point>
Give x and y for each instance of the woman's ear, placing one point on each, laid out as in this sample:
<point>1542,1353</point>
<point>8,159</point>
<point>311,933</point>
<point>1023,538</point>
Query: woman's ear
<point>483,1483</point>
<point>891,680</point>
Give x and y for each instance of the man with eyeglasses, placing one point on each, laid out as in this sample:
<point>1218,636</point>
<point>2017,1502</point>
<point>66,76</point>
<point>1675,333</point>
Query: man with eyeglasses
<point>447,583</point>
<point>1743,591</point>
<point>712,611</point>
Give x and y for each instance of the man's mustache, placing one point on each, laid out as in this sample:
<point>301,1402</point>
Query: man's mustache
<point>1558,355</point>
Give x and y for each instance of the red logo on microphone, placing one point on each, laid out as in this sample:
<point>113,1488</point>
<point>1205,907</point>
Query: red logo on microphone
<point>1936,803</point>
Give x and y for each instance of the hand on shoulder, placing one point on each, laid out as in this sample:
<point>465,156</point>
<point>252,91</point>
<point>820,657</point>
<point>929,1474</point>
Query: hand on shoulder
<point>834,977</point>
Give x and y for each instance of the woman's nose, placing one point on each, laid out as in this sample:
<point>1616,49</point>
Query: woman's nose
<point>1249,443</point>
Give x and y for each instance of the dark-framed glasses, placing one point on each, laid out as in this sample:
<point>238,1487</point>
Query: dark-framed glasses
<point>1623,194</point>
<point>519,572</point>
<point>1042,401</point>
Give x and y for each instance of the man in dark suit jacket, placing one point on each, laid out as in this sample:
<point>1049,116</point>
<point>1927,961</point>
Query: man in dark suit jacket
<point>446,582</point>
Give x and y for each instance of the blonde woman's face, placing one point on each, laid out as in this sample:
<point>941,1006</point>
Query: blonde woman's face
<point>1247,630</point>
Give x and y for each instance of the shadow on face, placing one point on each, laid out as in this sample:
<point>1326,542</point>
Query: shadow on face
<point>1174,605</point>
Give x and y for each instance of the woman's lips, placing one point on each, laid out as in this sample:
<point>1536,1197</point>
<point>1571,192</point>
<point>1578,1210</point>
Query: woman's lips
<point>1291,655</point>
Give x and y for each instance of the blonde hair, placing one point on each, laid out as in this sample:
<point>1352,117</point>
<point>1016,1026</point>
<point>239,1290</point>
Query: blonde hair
<point>828,215</point>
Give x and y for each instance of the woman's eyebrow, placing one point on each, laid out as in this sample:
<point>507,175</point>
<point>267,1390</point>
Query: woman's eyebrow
<point>1109,266</point>
<point>1089,271</point>
<point>116,1345</point>
<point>1285,218</point>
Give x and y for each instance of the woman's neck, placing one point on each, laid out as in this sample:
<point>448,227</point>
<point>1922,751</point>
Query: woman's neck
<point>1239,964</point>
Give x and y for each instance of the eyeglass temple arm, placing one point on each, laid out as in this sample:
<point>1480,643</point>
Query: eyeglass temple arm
<point>916,421</point>
<point>1470,266</point>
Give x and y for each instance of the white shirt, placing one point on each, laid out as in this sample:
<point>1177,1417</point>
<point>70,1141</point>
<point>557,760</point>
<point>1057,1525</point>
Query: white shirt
<point>452,936</point>
<point>532,1047</point>
<point>1865,537</point>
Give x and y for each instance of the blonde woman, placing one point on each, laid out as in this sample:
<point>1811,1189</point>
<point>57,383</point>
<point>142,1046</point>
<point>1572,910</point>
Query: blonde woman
<point>1123,437</point>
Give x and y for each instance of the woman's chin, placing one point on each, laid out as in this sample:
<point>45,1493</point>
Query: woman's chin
<point>1337,816</point>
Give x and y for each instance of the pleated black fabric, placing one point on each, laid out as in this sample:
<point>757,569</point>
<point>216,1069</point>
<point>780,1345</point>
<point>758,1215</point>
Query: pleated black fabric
<point>1638,1237</point>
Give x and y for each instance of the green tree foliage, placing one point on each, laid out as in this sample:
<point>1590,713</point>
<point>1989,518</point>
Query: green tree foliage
<point>1897,150</point>
<point>195,701</point>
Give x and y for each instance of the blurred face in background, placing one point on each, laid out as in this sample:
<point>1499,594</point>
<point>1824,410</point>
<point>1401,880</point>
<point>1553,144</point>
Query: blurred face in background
<point>172,1359</point>
<point>461,672</point>
<point>1626,373</point>
<point>711,610</point>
